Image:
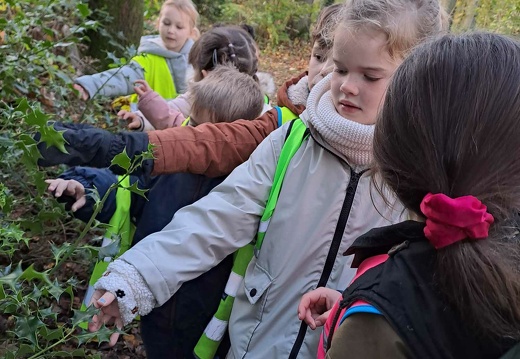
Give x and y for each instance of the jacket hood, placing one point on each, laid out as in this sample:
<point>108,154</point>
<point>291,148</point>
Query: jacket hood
<point>152,44</point>
<point>284,99</point>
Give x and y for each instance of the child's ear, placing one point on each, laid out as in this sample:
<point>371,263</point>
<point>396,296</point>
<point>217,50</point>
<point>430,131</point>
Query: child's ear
<point>195,34</point>
<point>204,73</point>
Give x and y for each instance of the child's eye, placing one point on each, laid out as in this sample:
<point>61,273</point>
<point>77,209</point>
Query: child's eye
<point>340,71</point>
<point>166,23</point>
<point>319,57</point>
<point>371,79</point>
<point>180,27</point>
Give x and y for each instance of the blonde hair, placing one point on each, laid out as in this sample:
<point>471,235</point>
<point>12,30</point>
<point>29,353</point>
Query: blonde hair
<point>228,95</point>
<point>185,6</point>
<point>406,23</point>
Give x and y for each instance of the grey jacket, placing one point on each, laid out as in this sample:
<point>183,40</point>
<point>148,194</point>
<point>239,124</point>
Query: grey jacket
<point>318,198</point>
<point>120,81</point>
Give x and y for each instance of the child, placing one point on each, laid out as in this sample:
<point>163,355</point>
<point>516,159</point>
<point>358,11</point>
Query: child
<point>233,141</point>
<point>160,58</point>
<point>454,162</point>
<point>230,44</point>
<point>173,330</point>
<point>325,202</point>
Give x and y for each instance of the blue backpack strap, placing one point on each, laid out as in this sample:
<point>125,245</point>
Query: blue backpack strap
<point>279,111</point>
<point>363,308</point>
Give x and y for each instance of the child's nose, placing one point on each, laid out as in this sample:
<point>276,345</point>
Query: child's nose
<point>349,86</point>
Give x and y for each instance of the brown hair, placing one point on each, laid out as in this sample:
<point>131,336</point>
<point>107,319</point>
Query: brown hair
<point>405,23</point>
<point>228,95</point>
<point>221,45</point>
<point>323,31</point>
<point>450,124</point>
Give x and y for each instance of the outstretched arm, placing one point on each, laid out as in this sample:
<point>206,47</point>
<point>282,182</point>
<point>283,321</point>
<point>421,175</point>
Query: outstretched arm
<point>209,149</point>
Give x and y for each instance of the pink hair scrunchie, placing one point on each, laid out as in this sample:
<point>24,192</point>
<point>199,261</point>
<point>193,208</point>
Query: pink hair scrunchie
<point>449,220</point>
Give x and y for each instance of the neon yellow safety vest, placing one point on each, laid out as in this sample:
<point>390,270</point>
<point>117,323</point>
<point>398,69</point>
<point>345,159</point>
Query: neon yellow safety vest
<point>117,240</point>
<point>157,74</point>
<point>210,340</point>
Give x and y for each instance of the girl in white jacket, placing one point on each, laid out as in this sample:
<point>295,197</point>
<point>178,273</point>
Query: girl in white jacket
<point>325,203</point>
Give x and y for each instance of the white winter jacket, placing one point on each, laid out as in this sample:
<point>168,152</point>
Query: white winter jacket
<point>323,207</point>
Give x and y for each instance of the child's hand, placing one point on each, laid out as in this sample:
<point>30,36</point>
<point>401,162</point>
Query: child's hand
<point>108,315</point>
<point>82,92</point>
<point>135,122</point>
<point>141,87</point>
<point>315,306</point>
<point>72,188</point>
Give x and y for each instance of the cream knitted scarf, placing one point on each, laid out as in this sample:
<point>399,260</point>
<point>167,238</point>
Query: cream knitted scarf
<point>352,139</point>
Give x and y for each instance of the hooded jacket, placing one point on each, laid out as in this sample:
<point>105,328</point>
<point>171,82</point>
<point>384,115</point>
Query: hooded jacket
<point>323,206</point>
<point>120,81</point>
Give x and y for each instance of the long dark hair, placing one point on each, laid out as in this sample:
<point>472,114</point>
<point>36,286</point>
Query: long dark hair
<point>451,124</point>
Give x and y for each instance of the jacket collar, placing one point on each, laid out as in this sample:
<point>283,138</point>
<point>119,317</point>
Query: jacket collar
<point>381,240</point>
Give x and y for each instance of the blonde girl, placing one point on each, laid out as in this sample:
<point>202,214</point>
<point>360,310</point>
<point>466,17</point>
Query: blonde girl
<point>162,59</point>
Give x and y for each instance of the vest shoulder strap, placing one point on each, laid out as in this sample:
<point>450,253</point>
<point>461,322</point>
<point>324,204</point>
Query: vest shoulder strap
<point>296,134</point>
<point>285,115</point>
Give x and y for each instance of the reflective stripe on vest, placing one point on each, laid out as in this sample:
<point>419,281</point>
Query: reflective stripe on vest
<point>186,122</point>
<point>208,344</point>
<point>117,239</point>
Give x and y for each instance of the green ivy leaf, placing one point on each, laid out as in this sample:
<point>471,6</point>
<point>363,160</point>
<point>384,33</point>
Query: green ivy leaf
<point>51,334</point>
<point>36,118</point>
<point>10,277</point>
<point>76,353</point>
<point>58,252</point>
<point>23,106</point>
<point>122,160</point>
<point>83,9</point>
<point>31,274</point>
<point>102,335</point>
<point>24,350</point>
<point>134,189</point>
<point>48,313</point>
<point>27,327</point>
<point>83,316</point>
<point>51,137</point>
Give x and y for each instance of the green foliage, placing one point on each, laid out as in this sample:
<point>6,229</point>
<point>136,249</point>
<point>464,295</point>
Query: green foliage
<point>36,298</point>
<point>274,21</point>
<point>501,16</point>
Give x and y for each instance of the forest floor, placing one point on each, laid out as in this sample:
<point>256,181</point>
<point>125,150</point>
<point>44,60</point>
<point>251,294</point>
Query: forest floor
<point>283,63</point>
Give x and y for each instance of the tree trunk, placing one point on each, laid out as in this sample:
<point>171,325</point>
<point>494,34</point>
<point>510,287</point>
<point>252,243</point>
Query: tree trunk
<point>126,19</point>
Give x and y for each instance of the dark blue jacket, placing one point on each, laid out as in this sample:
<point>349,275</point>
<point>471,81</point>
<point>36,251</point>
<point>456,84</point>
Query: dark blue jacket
<point>166,195</point>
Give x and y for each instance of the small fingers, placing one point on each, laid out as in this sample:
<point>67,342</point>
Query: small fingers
<point>78,204</point>
<point>60,187</point>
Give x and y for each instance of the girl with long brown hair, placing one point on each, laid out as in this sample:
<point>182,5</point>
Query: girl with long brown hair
<point>447,142</point>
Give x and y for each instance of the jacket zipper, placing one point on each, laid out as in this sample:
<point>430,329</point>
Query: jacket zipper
<point>333,251</point>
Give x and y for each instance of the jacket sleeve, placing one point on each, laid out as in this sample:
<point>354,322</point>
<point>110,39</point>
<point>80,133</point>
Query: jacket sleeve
<point>182,104</point>
<point>367,336</point>
<point>156,110</point>
<point>204,233</point>
<point>113,82</point>
<point>210,149</point>
<point>94,178</point>
<point>101,179</point>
